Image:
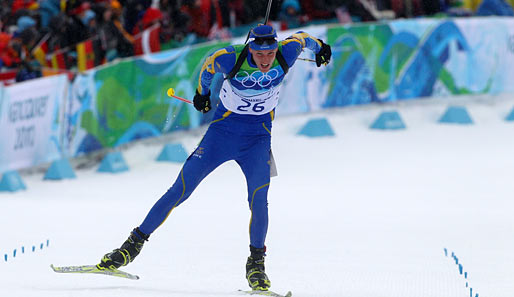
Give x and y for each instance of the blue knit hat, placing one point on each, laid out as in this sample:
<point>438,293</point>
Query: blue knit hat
<point>88,16</point>
<point>25,22</point>
<point>291,3</point>
<point>263,37</point>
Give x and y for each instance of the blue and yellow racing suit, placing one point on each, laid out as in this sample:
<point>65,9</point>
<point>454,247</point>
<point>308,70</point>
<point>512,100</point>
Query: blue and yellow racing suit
<point>240,131</point>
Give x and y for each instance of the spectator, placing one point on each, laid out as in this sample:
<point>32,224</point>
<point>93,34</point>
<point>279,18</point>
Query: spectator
<point>221,20</point>
<point>76,30</point>
<point>29,69</point>
<point>66,31</point>
<point>8,56</point>
<point>200,12</point>
<point>205,14</point>
<point>23,23</point>
<point>222,12</point>
<point>174,21</point>
<point>57,27</point>
<point>151,17</point>
<point>83,13</point>
<point>407,9</point>
<point>494,7</point>
<point>431,7</point>
<point>236,12</point>
<point>22,4</point>
<point>255,10</point>
<point>134,10</point>
<point>29,36</point>
<point>48,9</point>
<point>116,42</point>
<point>290,14</point>
<point>89,20</point>
<point>317,10</point>
<point>17,51</point>
<point>356,8</point>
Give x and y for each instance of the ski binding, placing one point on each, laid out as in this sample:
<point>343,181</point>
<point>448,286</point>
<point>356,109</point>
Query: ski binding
<point>266,293</point>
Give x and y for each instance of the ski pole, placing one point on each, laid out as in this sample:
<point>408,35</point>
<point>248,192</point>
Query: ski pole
<point>171,93</point>
<point>308,60</point>
<point>266,18</point>
<point>267,12</point>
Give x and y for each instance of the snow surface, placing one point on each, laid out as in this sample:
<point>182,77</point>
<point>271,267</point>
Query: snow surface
<point>364,214</point>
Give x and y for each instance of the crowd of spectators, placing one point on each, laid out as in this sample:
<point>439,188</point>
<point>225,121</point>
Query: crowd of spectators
<point>56,26</point>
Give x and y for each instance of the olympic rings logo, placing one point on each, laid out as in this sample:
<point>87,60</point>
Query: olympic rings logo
<point>256,78</point>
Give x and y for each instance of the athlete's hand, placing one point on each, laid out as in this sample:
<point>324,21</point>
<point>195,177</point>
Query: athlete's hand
<point>324,54</point>
<point>202,102</point>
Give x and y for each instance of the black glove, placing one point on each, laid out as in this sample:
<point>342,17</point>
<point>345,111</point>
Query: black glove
<point>202,102</point>
<point>324,54</point>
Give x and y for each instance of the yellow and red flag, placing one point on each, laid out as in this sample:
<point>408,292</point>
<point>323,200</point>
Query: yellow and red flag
<point>85,55</point>
<point>41,50</point>
<point>58,60</point>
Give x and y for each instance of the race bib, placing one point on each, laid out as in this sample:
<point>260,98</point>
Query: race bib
<point>250,101</point>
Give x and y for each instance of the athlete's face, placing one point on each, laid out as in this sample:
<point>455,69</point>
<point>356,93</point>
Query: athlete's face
<point>264,58</point>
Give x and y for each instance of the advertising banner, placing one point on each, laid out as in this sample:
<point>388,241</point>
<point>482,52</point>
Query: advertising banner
<point>30,122</point>
<point>371,63</point>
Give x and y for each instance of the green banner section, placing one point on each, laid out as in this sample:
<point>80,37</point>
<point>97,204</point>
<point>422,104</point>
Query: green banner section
<point>131,100</point>
<point>378,62</point>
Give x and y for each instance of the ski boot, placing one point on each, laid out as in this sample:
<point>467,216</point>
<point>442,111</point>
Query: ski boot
<point>255,274</point>
<point>126,253</point>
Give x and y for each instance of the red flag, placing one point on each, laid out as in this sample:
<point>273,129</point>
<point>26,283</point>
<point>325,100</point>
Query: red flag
<point>148,41</point>
<point>8,77</point>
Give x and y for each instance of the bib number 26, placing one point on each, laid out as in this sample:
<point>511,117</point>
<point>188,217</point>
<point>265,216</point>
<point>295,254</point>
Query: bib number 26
<point>257,107</point>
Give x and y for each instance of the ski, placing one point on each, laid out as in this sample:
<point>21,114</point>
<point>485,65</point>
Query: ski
<point>93,269</point>
<point>266,293</point>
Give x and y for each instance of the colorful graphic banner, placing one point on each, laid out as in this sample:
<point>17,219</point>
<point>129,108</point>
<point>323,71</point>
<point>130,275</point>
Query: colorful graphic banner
<point>410,59</point>
<point>304,86</point>
<point>128,101</point>
<point>379,62</point>
<point>30,122</point>
<point>400,60</point>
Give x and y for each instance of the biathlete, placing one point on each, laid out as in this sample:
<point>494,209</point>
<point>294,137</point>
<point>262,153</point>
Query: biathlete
<point>240,131</point>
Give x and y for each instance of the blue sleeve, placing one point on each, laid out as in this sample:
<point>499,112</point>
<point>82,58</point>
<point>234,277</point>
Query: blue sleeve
<point>221,61</point>
<point>293,46</point>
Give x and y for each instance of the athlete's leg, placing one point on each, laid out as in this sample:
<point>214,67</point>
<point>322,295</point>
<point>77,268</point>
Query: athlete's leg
<point>205,159</point>
<point>256,168</point>
<point>211,152</point>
